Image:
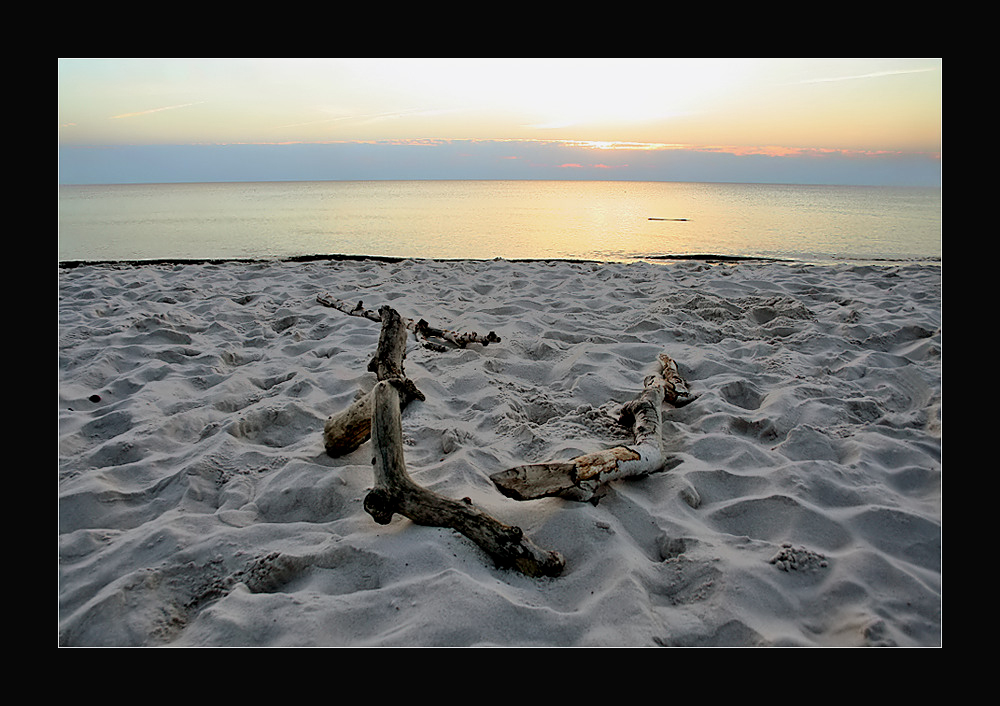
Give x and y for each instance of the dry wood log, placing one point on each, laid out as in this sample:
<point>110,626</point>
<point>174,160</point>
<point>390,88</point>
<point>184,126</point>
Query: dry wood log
<point>584,478</point>
<point>423,331</point>
<point>347,430</point>
<point>395,492</point>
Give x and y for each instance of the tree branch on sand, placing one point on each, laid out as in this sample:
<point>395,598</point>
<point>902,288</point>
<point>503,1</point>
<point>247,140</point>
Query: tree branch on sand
<point>394,491</point>
<point>346,431</point>
<point>378,415</point>
<point>584,478</point>
<point>423,331</point>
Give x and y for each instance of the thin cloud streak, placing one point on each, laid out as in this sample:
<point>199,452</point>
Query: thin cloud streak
<point>154,110</point>
<point>856,77</point>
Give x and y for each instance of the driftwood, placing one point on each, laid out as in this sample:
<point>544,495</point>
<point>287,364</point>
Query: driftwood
<point>423,331</point>
<point>349,429</point>
<point>583,478</point>
<point>395,492</point>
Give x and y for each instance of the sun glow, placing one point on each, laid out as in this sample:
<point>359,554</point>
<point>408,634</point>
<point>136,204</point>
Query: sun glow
<point>615,103</point>
<point>649,108</point>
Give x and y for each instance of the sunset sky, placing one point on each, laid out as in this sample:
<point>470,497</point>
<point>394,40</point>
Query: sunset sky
<point>837,121</point>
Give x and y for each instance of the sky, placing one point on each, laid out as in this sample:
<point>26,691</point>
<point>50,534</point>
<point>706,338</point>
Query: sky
<point>773,120</point>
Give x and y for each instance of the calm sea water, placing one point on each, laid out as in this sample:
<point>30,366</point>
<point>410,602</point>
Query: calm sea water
<point>508,219</point>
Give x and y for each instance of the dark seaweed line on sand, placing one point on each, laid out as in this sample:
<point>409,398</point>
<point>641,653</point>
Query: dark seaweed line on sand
<point>69,264</point>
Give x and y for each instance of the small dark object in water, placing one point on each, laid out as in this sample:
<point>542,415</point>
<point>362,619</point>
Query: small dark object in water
<point>95,398</point>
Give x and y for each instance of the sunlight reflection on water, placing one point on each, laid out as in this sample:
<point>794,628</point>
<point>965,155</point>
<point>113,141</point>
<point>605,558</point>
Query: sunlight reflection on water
<point>487,219</point>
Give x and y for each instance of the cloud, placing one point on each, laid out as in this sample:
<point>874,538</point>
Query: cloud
<point>856,77</point>
<point>154,110</point>
<point>486,160</point>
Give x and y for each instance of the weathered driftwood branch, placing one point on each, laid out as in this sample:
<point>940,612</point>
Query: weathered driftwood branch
<point>347,430</point>
<point>394,491</point>
<point>422,330</point>
<point>583,478</point>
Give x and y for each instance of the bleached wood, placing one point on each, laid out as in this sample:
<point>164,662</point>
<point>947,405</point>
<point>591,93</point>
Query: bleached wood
<point>395,492</point>
<point>584,477</point>
<point>423,331</point>
<point>347,430</point>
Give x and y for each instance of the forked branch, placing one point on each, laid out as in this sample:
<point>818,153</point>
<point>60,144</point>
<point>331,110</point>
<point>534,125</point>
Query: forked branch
<point>423,331</point>
<point>584,477</point>
<point>347,430</point>
<point>394,491</point>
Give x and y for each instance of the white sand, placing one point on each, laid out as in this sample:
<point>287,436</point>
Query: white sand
<point>197,505</point>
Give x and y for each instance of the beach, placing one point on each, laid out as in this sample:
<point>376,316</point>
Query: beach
<point>801,504</point>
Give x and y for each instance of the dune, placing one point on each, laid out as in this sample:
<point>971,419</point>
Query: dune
<point>197,505</point>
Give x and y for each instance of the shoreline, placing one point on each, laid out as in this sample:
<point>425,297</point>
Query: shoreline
<point>801,504</point>
<point>336,257</point>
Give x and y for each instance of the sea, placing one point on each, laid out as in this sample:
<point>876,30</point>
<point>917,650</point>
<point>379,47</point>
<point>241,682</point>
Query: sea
<point>576,220</point>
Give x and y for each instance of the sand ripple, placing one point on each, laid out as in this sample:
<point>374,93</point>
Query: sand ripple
<point>197,507</point>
